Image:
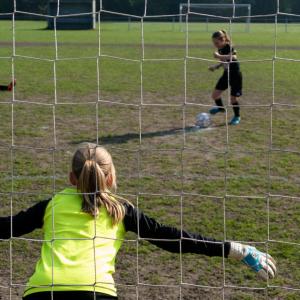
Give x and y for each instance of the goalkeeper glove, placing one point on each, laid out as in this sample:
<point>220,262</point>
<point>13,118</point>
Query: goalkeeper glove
<point>261,263</point>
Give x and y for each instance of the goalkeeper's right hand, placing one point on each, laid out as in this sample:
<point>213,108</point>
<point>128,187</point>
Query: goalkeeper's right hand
<point>261,263</point>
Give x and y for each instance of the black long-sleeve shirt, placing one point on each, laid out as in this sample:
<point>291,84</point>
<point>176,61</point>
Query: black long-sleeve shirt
<point>234,64</point>
<point>165,237</point>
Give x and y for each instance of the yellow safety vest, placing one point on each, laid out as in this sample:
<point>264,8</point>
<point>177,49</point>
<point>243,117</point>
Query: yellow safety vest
<point>79,251</point>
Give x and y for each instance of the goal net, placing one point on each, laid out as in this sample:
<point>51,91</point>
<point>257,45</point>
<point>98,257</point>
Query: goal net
<point>137,91</point>
<point>204,16</point>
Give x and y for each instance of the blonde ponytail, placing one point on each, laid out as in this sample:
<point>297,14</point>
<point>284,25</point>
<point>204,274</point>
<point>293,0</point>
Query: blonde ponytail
<point>93,167</point>
<point>226,36</point>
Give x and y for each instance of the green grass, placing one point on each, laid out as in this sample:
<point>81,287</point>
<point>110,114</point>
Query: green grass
<point>166,167</point>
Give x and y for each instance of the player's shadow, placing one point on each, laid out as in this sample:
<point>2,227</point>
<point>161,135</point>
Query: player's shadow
<point>120,139</point>
<point>124,138</point>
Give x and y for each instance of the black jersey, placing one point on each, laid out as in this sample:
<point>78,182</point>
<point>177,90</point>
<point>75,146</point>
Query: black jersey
<point>226,50</point>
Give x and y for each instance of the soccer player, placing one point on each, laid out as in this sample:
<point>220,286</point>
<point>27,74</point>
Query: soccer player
<point>228,57</point>
<point>8,87</point>
<point>84,227</point>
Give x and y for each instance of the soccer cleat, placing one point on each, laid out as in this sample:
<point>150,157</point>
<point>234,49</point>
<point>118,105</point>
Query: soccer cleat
<point>235,121</point>
<point>215,110</point>
<point>10,86</point>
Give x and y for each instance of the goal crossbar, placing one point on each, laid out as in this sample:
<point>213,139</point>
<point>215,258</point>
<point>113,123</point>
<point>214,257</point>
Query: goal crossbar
<point>216,5</point>
<point>211,5</point>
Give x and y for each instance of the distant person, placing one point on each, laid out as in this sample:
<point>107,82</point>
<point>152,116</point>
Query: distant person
<point>8,87</point>
<point>228,57</point>
<point>84,227</point>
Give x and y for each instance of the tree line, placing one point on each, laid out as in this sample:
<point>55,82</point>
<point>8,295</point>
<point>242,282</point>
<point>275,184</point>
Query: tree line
<point>155,7</point>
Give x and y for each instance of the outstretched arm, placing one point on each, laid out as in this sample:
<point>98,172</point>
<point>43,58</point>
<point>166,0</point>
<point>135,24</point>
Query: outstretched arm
<point>8,87</point>
<point>230,55</point>
<point>170,238</point>
<point>23,222</point>
<point>225,57</point>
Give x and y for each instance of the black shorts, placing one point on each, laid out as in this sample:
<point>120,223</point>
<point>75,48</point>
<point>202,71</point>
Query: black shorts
<point>79,295</point>
<point>235,82</point>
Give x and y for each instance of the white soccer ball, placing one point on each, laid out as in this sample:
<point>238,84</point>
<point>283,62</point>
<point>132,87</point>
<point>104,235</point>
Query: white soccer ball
<point>203,120</point>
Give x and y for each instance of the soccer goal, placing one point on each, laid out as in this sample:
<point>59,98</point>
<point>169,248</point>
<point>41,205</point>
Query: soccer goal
<point>206,14</point>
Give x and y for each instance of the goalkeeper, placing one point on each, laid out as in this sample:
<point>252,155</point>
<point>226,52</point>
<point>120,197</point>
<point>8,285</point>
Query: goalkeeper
<point>84,227</point>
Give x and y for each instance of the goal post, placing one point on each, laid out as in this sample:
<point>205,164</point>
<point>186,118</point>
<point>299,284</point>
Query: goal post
<point>208,11</point>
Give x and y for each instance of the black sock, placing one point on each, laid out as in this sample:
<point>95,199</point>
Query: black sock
<point>219,103</point>
<point>236,109</point>
<point>3,88</point>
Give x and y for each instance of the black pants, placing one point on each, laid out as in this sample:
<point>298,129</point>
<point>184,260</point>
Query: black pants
<point>79,295</point>
<point>235,82</point>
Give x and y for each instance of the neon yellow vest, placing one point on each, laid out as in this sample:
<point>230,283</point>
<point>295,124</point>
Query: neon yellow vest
<point>71,258</point>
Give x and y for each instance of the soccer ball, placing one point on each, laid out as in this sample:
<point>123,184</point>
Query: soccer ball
<point>203,120</point>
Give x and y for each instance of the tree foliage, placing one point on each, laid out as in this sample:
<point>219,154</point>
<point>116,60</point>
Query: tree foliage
<point>156,7</point>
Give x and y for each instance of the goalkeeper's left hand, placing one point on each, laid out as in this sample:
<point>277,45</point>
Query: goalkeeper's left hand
<point>261,263</point>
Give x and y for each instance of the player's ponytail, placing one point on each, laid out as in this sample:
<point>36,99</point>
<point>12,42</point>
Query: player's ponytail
<point>221,34</point>
<point>94,169</point>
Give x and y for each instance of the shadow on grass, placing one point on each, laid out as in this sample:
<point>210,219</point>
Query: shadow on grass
<point>124,138</point>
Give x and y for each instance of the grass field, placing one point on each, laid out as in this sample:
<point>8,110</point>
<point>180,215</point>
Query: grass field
<point>169,169</point>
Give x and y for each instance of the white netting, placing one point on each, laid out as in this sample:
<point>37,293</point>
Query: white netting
<point>175,290</point>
